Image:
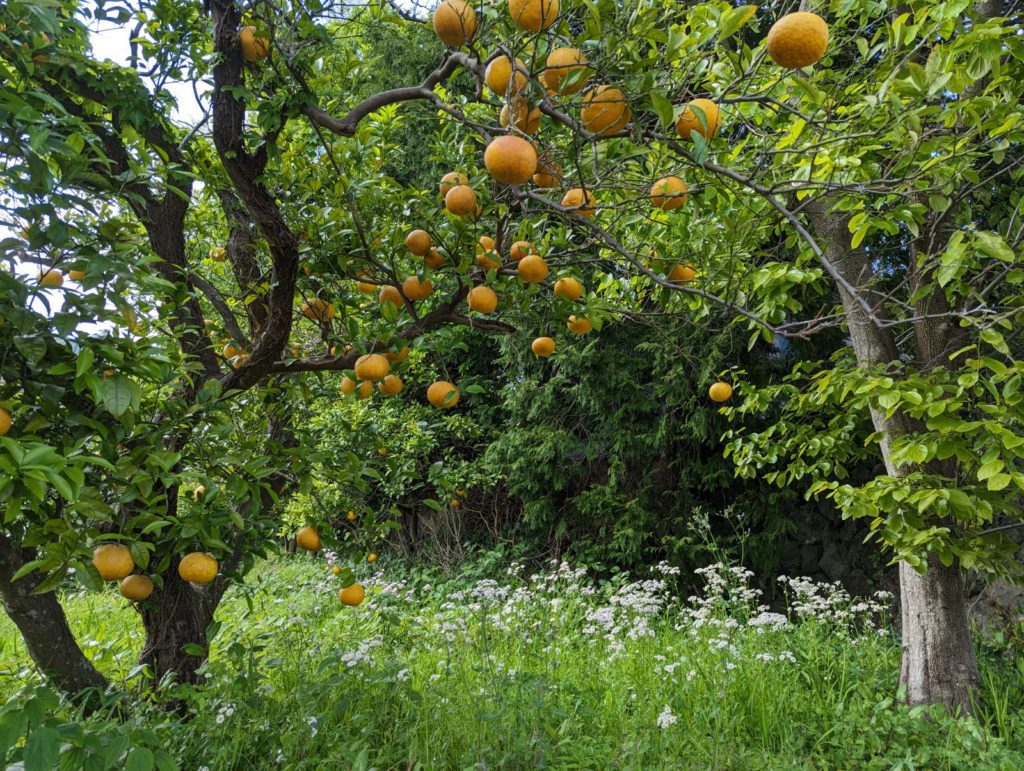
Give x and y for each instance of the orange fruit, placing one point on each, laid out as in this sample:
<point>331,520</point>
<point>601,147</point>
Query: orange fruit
<point>605,111</point>
<point>397,357</point>
<point>390,385</point>
<point>450,180</point>
<point>498,75</point>
<point>365,390</point>
<point>218,254</point>
<point>561,63</point>
<point>5,421</point>
<point>548,175</point>
<point>460,200</point>
<point>308,538</point>
<point>372,366</point>
<point>486,255</point>
<point>524,119</point>
<point>532,269</point>
<point>51,278</point>
<point>797,40</point>
<point>371,557</point>
<point>351,516</point>
<point>348,385</point>
<point>454,22</point>
<point>418,242</point>
<point>317,309</point>
<point>668,193</point>
<point>336,570</point>
<point>533,15</point>
<point>390,294</point>
<point>254,48</point>
<point>352,595</point>
<point>543,346</point>
<point>482,299</point>
<point>136,588</point>
<point>580,201</point>
<point>443,394</point>
<point>682,274</point>
<point>113,561</point>
<point>510,160</point>
<point>569,288</point>
<point>433,259</point>
<point>519,249</point>
<point>197,568</point>
<point>415,289</point>
<point>231,351</point>
<point>76,275</point>
<point>720,392</point>
<point>579,326</point>
<point>704,119</point>
<point>366,288</point>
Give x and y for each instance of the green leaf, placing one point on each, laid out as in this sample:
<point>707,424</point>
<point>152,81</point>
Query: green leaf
<point>735,18</point>
<point>117,395</point>
<point>139,759</point>
<point>663,107</point>
<point>41,750</point>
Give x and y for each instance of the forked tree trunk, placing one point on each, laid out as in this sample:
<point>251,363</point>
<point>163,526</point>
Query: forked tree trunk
<point>41,621</point>
<point>938,662</point>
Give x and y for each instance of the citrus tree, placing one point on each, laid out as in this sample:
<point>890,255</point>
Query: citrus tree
<point>787,172</point>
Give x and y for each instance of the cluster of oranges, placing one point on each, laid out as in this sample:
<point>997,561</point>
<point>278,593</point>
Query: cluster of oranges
<point>114,562</point>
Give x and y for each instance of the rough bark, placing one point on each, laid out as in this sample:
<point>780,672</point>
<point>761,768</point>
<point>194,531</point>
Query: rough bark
<point>41,621</point>
<point>938,662</point>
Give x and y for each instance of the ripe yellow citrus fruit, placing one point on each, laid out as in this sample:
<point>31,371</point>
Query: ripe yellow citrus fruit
<point>533,15</point>
<point>352,595</point>
<point>720,392</point>
<point>450,180</point>
<point>336,570</point>
<point>397,357</point>
<point>682,274</point>
<point>254,48</point>
<point>520,249</point>
<point>668,193</point>
<point>482,299</point>
<point>76,275</point>
<point>561,63</point>
<point>136,588</point>
<point>5,421</point>
<point>371,557</point>
<point>543,346</point>
<point>797,40</point>
<point>455,22</point>
<point>510,160</point>
<point>390,294</point>
<point>498,75</point>
<point>548,175</point>
<point>348,385</point>
<point>51,278</point>
<point>415,289</point>
<point>580,201</point>
<point>372,366</point>
<point>443,394</point>
<point>700,115</point>
<point>197,568</point>
<point>240,360</point>
<point>366,288</point>
<point>579,326</point>
<point>605,111</point>
<point>390,385</point>
<point>418,242</point>
<point>524,119</point>
<point>532,269</point>
<point>365,390</point>
<point>113,561</point>
<point>460,200</point>
<point>351,516</point>
<point>569,288</point>
<point>199,492</point>
<point>455,503</point>
<point>231,351</point>
<point>317,309</point>
<point>308,538</point>
<point>433,259</point>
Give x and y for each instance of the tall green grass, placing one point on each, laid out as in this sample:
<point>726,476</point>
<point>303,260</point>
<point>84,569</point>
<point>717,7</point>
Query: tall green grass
<point>550,670</point>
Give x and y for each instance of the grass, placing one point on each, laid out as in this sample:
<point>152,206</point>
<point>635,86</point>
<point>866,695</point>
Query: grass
<point>551,670</point>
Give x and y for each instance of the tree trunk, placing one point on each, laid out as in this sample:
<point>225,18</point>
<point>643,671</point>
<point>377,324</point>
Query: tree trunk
<point>41,621</point>
<point>177,616</point>
<point>938,662</point>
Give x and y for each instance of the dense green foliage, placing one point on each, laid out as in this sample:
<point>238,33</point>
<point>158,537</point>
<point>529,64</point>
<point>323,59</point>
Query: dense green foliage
<point>545,669</point>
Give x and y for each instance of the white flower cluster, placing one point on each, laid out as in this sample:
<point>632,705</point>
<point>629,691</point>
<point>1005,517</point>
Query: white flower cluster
<point>363,652</point>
